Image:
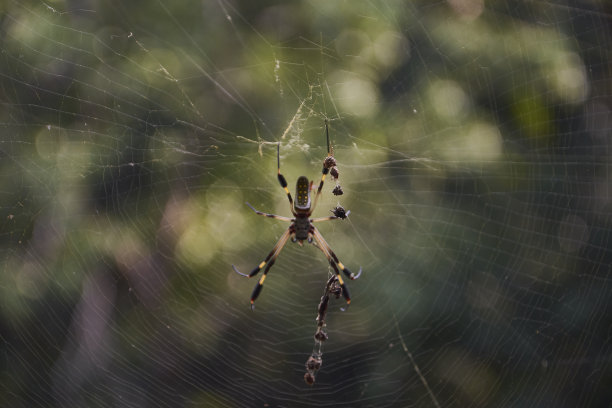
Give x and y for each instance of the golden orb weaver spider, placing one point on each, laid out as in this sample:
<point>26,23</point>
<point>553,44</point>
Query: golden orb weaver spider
<point>301,228</point>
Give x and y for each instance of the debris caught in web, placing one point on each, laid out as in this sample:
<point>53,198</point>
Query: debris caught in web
<point>315,360</point>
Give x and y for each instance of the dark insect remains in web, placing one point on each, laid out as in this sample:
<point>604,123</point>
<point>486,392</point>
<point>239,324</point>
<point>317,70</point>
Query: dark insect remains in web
<point>340,212</point>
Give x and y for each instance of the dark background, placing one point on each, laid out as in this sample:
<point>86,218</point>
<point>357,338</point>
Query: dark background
<point>473,143</point>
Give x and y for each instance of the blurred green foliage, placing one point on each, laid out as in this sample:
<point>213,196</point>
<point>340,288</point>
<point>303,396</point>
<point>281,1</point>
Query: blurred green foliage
<point>473,144</point>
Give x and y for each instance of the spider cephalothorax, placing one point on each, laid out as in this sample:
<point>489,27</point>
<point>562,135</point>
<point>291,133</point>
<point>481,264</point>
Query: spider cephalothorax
<point>301,228</point>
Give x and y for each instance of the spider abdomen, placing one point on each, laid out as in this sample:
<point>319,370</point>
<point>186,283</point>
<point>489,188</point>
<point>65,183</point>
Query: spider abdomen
<point>302,194</point>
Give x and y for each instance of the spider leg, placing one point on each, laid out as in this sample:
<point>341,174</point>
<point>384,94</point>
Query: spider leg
<point>324,172</point>
<point>345,291</point>
<point>282,180</point>
<point>269,261</point>
<point>278,217</point>
<point>324,244</point>
<point>335,263</point>
<point>331,217</point>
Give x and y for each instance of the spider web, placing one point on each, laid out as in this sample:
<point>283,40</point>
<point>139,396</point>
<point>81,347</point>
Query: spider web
<point>472,141</point>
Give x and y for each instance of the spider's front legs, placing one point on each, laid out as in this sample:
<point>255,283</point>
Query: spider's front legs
<point>335,263</point>
<point>332,255</point>
<point>270,259</point>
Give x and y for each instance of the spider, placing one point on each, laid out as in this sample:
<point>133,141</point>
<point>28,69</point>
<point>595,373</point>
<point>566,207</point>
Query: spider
<point>301,228</point>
